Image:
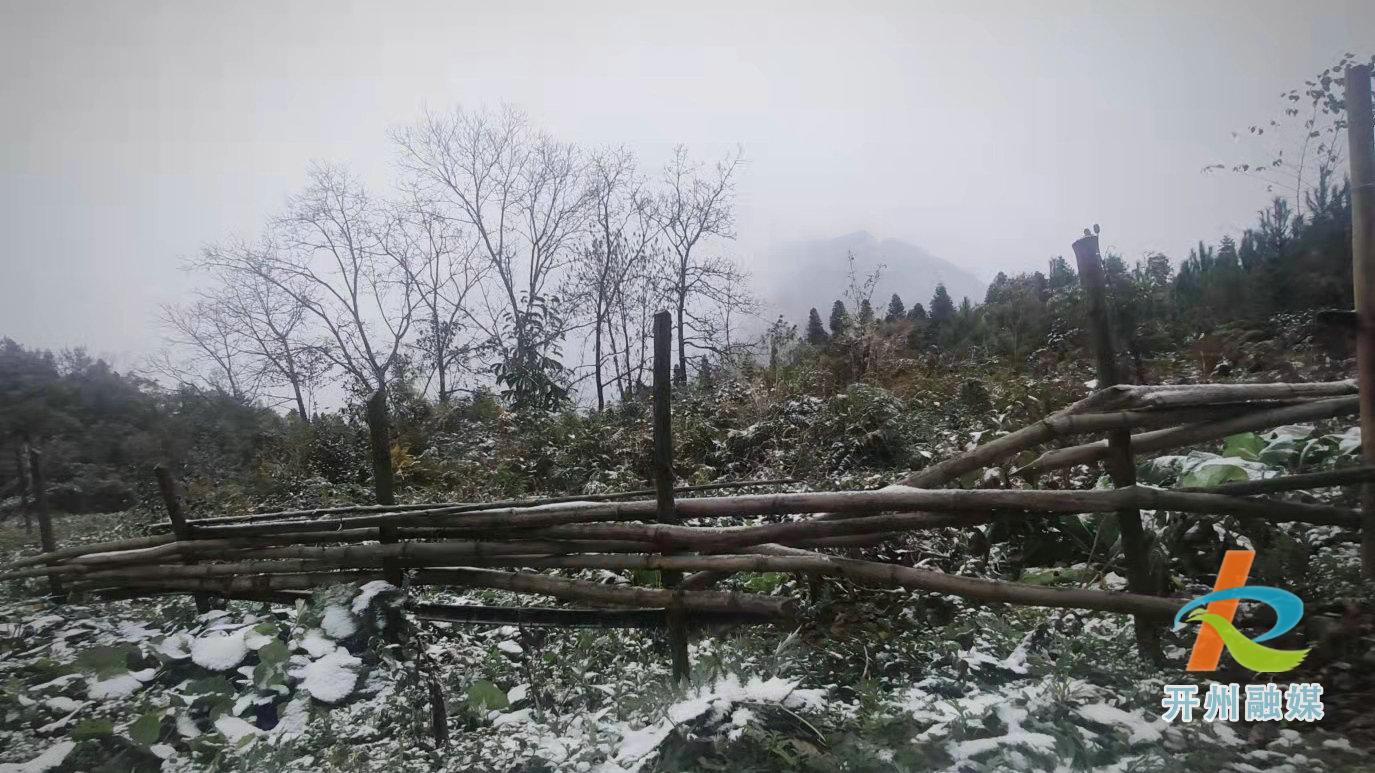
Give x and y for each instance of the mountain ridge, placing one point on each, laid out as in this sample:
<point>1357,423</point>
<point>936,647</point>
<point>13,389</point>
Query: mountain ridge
<point>804,274</point>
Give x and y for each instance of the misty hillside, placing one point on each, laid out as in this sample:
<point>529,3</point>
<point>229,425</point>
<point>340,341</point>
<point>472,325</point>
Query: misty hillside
<point>799,275</point>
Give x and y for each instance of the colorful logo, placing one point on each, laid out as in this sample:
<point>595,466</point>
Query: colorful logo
<point>1214,612</point>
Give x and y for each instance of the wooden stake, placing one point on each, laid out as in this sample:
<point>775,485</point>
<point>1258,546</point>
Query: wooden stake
<point>1361,137</point>
<point>180,528</point>
<point>1120,464</point>
<point>663,482</point>
<point>45,524</point>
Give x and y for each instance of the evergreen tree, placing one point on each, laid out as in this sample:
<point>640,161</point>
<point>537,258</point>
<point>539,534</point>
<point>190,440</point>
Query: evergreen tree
<point>942,308</point>
<point>866,312</point>
<point>917,313</point>
<point>816,334</point>
<point>896,309</point>
<point>840,319</point>
<point>1061,275</point>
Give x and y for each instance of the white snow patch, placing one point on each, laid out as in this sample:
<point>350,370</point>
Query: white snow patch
<point>49,759</point>
<point>120,686</point>
<point>219,651</point>
<point>367,593</point>
<point>330,678</point>
<point>315,644</point>
<point>521,717</point>
<point>293,720</point>
<point>338,622</point>
<point>1140,728</point>
<point>63,704</point>
<point>177,646</point>
<point>235,729</point>
<point>511,648</point>
<point>636,745</point>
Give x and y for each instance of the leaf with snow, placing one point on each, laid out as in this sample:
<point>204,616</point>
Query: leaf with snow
<point>338,622</point>
<point>331,677</point>
<point>220,651</point>
<point>175,647</point>
<point>234,729</point>
<point>118,686</point>
<point>368,592</point>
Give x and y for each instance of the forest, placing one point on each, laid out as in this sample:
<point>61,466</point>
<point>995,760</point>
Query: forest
<point>483,333</point>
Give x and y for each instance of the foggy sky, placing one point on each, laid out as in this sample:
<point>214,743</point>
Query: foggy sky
<point>133,133</point>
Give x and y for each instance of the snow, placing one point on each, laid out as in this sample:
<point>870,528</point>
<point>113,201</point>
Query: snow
<point>120,686</point>
<point>720,697</point>
<point>338,622</point>
<point>48,760</point>
<point>176,647</point>
<point>255,641</point>
<point>330,678</point>
<point>517,693</point>
<point>521,717</point>
<point>234,729</point>
<point>511,648</point>
<point>293,720</point>
<point>1141,729</point>
<point>1015,736</point>
<point>63,704</point>
<point>368,592</point>
<point>315,644</point>
<point>59,682</point>
<point>219,651</point>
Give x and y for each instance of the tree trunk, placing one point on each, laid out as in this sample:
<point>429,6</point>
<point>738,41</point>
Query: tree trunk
<point>680,375</point>
<point>379,436</point>
<point>23,488</point>
<point>597,364</point>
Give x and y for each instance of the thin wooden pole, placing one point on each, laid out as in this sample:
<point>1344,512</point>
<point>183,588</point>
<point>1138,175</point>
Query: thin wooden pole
<point>45,524</point>
<point>1361,138</point>
<point>663,482</point>
<point>1120,464</point>
<point>172,500</point>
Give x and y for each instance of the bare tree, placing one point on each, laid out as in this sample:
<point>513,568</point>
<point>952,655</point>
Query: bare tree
<point>214,358</point>
<point>696,204</point>
<point>522,194</point>
<point>348,266</point>
<point>622,231</point>
<point>446,271</point>
<point>273,324</point>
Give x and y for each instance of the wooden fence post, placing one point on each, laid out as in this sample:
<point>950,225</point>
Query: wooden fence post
<point>1121,466</point>
<point>1361,139</point>
<point>663,481</point>
<point>171,499</point>
<point>45,525</point>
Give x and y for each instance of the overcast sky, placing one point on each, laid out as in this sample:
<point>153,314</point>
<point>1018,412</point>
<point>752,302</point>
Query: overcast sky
<point>133,133</point>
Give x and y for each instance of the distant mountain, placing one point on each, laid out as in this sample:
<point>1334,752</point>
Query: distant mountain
<point>799,275</point>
